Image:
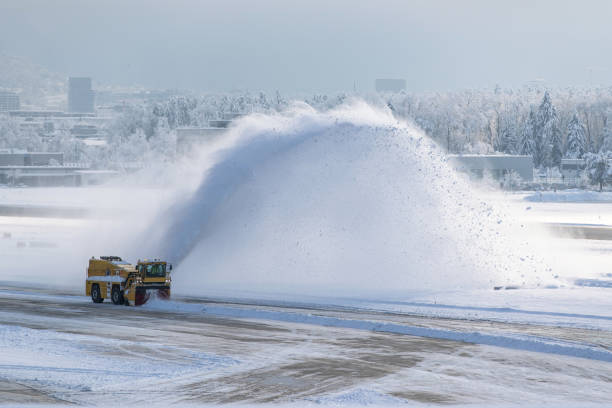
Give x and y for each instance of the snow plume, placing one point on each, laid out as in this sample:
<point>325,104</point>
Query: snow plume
<point>342,202</point>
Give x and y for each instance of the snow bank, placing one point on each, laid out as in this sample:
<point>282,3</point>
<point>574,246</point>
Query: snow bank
<point>571,196</point>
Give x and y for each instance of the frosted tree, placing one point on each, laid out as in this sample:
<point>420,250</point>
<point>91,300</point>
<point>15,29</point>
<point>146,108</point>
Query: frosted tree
<point>548,137</point>
<point>556,147</point>
<point>511,180</point>
<point>74,149</point>
<point>606,139</point>
<point>526,144</point>
<point>163,142</point>
<point>263,101</point>
<point>9,133</point>
<point>507,142</point>
<point>505,127</point>
<point>576,139</point>
<point>280,101</point>
<point>462,121</point>
<point>598,168</point>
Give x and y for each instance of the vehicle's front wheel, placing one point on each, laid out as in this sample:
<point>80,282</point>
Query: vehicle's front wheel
<point>117,296</point>
<point>95,293</point>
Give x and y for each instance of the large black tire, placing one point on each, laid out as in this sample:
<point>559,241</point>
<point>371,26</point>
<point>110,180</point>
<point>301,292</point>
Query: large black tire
<point>117,296</point>
<point>95,293</point>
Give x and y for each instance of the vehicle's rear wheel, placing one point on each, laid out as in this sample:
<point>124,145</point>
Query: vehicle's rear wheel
<point>95,293</point>
<point>117,296</point>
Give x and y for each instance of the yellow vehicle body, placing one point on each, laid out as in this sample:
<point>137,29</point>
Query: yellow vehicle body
<point>109,277</point>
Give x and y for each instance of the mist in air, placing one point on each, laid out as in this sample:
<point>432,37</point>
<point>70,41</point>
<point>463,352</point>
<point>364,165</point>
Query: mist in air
<point>313,46</point>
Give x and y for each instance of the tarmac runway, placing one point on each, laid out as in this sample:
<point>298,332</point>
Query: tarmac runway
<point>61,348</point>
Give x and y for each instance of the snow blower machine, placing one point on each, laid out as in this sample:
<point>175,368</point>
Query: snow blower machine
<point>126,284</point>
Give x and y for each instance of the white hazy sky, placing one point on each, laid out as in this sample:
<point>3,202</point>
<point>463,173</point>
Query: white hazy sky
<point>314,45</point>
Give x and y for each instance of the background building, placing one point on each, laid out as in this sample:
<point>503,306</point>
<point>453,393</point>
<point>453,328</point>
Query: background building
<point>390,85</point>
<point>80,95</point>
<point>46,169</point>
<point>16,157</point>
<point>191,137</point>
<point>9,101</point>
<point>495,165</point>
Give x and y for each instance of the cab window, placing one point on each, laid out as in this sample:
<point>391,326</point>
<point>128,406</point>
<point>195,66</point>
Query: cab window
<point>155,271</point>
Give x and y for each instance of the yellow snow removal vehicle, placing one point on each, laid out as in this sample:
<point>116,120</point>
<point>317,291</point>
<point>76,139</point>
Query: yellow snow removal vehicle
<point>123,283</point>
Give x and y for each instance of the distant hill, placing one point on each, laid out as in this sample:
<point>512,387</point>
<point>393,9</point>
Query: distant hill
<point>34,83</point>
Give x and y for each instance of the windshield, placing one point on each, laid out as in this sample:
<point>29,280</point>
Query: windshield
<point>155,270</point>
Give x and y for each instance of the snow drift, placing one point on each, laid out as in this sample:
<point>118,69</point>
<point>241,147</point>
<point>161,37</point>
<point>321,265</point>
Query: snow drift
<point>348,201</point>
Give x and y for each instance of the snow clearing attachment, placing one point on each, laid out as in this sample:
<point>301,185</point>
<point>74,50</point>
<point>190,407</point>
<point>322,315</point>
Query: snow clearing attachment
<point>126,284</point>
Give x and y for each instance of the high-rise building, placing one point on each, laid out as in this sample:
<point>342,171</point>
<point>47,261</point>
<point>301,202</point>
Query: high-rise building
<point>80,95</point>
<point>390,85</point>
<point>9,101</point>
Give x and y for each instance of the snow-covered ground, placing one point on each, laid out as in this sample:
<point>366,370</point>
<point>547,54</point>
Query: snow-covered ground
<point>577,207</point>
<point>67,349</point>
<point>552,342</point>
<point>570,196</point>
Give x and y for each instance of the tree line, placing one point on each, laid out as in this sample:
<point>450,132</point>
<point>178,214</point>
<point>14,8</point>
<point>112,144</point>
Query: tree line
<point>547,125</point>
